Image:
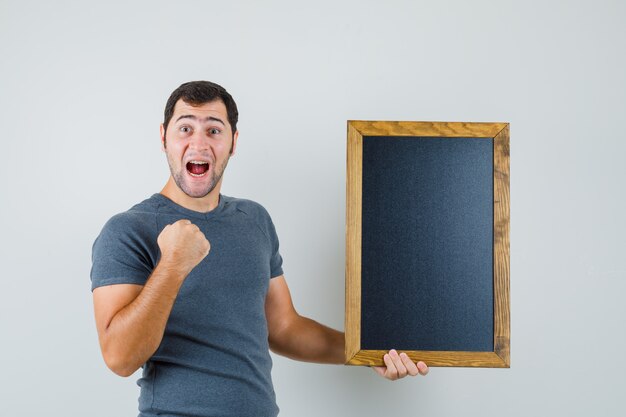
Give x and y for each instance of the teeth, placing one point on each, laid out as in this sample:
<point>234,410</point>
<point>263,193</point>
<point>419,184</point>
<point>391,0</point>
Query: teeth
<point>198,162</point>
<point>196,175</point>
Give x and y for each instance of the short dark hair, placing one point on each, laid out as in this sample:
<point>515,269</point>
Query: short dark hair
<point>197,93</point>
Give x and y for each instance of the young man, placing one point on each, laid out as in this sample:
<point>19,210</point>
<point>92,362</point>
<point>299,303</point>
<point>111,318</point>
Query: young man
<point>189,285</point>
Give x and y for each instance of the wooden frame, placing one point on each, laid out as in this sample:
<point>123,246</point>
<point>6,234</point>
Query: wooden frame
<point>499,133</point>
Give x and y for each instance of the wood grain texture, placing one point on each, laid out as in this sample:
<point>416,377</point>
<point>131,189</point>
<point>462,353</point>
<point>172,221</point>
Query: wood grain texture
<point>354,188</point>
<point>501,245</point>
<point>433,358</point>
<point>499,132</point>
<point>430,129</point>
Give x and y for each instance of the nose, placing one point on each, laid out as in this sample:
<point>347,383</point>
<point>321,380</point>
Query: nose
<point>199,141</point>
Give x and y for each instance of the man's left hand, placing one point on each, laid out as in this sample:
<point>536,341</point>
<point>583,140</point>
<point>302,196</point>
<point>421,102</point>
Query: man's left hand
<point>399,366</point>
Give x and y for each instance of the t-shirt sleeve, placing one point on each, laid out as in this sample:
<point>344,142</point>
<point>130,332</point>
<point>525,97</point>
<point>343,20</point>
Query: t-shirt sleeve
<point>123,252</point>
<point>276,261</point>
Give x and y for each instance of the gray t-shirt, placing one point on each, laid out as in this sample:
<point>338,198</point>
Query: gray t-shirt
<point>214,357</point>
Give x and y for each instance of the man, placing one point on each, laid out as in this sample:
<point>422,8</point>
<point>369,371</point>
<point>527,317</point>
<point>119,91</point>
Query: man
<point>189,285</point>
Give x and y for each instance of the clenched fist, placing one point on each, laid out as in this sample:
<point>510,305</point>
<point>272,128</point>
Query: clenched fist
<point>183,245</point>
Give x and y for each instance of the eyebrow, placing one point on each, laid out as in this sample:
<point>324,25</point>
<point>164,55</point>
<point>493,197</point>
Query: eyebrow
<point>206,119</point>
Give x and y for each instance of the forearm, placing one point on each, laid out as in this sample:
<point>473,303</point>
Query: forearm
<point>307,340</point>
<point>136,331</point>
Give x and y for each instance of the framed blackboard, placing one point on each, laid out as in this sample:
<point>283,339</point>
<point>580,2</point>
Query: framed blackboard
<point>427,243</point>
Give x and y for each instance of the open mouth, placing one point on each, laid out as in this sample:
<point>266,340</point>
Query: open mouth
<point>197,168</point>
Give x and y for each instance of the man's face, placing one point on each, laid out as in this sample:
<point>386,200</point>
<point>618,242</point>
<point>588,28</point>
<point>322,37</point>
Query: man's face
<point>198,143</point>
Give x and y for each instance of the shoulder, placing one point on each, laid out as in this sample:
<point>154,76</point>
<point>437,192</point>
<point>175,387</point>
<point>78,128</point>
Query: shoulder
<point>255,213</point>
<point>126,250</point>
<point>249,207</point>
<point>127,221</point>
<point>139,220</point>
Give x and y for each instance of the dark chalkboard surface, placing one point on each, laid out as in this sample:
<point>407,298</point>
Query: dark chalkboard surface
<point>427,260</point>
<point>427,230</point>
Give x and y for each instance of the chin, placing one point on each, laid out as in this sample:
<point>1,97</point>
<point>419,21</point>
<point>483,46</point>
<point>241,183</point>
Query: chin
<point>197,193</point>
<point>196,190</point>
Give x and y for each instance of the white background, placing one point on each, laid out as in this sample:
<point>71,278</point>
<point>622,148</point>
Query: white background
<point>82,91</point>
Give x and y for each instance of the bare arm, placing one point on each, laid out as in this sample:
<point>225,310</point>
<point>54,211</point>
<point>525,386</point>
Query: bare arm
<point>303,339</point>
<point>299,337</point>
<point>131,319</point>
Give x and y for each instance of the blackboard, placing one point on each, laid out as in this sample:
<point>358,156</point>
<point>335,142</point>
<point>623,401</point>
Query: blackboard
<point>427,266</point>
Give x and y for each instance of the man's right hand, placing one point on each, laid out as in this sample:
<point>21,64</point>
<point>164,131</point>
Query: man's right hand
<point>183,245</point>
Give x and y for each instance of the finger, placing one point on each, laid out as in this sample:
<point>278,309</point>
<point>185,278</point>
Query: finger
<point>411,367</point>
<point>422,368</point>
<point>392,372</point>
<point>395,357</point>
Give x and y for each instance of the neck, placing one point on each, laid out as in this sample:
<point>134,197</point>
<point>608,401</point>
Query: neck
<point>201,204</point>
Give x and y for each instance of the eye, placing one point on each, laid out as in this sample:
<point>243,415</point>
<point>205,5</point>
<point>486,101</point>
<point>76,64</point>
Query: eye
<point>214,131</point>
<point>184,129</point>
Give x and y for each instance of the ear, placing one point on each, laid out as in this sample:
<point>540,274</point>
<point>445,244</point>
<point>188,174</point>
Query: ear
<point>235,136</point>
<point>162,130</point>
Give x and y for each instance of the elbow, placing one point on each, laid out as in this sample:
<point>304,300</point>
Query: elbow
<point>120,365</point>
<point>123,372</point>
<point>283,334</point>
<point>275,347</point>
<point>120,368</point>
